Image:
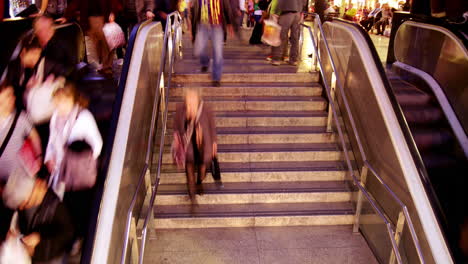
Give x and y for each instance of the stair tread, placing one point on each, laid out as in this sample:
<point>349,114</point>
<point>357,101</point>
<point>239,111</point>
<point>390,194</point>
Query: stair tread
<point>256,98</point>
<point>248,85</point>
<point>253,210</point>
<point>271,166</point>
<point>259,187</point>
<point>261,113</point>
<point>276,147</point>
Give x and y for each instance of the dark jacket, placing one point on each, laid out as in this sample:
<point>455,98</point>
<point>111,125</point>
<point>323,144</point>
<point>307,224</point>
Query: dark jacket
<point>141,7</point>
<point>208,129</point>
<point>81,6</point>
<point>52,221</point>
<point>292,5</point>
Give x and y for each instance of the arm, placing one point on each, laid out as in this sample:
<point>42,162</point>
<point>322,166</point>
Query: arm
<point>43,8</point>
<point>36,141</point>
<point>86,129</point>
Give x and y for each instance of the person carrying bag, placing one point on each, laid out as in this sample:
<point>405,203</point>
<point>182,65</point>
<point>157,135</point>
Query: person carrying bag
<point>71,157</point>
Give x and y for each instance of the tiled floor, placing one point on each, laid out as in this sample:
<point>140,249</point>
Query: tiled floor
<point>324,245</point>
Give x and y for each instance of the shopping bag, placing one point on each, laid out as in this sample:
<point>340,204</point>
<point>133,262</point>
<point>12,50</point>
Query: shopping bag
<point>29,158</point>
<point>271,33</point>
<point>39,104</point>
<point>13,250</point>
<point>178,151</point>
<point>114,35</point>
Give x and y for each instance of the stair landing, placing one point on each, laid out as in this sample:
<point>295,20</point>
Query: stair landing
<point>291,245</point>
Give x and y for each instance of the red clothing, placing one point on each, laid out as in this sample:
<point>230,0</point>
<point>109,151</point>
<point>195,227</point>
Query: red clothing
<point>104,7</point>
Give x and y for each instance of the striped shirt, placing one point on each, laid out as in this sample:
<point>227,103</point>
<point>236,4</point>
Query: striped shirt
<point>9,160</point>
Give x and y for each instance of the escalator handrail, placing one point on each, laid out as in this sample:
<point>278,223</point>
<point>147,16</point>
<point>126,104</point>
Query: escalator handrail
<point>440,29</point>
<point>362,188</point>
<point>416,155</point>
<point>174,21</point>
<point>361,149</point>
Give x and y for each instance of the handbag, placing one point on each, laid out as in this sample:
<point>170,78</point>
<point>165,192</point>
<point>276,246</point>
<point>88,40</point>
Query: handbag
<point>79,168</point>
<point>114,35</point>
<point>271,33</point>
<point>215,170</point>
<point>13,250</point>
<point>39,104</point>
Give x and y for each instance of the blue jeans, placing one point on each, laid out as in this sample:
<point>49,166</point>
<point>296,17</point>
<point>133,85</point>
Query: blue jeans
<point>216,34</point>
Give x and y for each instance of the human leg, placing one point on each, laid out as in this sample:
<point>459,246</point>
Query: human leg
<point>96,24</point>
<point>217,42</point>
<point>190,173</point>
<point>295,33</point>
<point>200,47</point>
<point>285,23</point>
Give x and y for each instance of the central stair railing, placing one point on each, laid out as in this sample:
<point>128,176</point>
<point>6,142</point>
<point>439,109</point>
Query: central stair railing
<point>172,44</point>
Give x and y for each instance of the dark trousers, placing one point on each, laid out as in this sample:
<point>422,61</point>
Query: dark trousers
<point>368,23</point>
<point>79,205</point>
<point>5,219</point>
<point>381,25</point>
<point>126,22</point>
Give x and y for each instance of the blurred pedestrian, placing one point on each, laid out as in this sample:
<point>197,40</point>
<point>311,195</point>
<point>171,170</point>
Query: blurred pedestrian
<point>256,37</point>
<point>369,22</point>
<point>73,134</point>
<point>211,18</point>
<point>243,12</point>
<point>43,220</point>
<point>15,128</point>
<point>195,134</point>
<point>53,8</point>
<point>385,20</point>
<point>289,21</point>
<point>134,12</point>
<point>93,14</point>
<point>164,8</point>
<point>350,12</point>
<point>53,47</point>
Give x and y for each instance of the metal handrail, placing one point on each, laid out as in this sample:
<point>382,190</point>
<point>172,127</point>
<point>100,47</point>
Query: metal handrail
<point>361,149</point>
<point>149,147</point>
<point>176,19</point>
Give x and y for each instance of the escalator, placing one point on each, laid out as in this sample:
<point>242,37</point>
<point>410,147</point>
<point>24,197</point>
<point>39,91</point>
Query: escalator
<point>431,117</point>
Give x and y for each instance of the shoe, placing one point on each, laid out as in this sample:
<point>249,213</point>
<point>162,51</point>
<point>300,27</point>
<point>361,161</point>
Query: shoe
<point>204,69</point>
<point>286,59</point>
<point>293,63</point>
<point>216,83</point>
<point>276,63</point>
<point>269,58</point>
<point>219,184</point>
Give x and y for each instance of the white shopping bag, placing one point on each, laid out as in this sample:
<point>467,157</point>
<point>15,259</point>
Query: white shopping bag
<point>114,35</point>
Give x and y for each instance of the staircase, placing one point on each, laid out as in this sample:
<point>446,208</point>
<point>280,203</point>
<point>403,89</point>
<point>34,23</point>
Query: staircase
<point>283,174</point>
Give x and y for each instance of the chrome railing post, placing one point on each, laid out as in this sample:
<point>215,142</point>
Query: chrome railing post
<point>330,112</point>
<point>399,229</point>
<point>359,202</point>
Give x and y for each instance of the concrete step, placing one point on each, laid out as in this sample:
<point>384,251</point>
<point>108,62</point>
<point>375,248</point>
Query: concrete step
<point>283,103</point>
<point>252,215</point>
<point>266,118</point>
<point>250,77</point>
<point>257,192</point>
<point>260,66</point>
<point>250,89</point>
<point>265,172</point>
<point>272,152</point>
<point>268,135</point>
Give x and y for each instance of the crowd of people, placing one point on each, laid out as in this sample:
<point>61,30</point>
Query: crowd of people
<point>50,144</point>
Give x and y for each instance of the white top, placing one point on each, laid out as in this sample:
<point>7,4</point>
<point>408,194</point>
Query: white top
<point>84,129</point>
<point>242,5</point>
<point>330,10</point>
